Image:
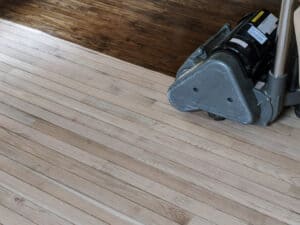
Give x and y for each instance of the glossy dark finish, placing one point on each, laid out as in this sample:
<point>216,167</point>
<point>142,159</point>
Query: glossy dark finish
<point>157,34</point>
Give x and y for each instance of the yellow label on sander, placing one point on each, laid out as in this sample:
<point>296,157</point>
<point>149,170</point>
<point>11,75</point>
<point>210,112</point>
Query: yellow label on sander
<point>258,16</point>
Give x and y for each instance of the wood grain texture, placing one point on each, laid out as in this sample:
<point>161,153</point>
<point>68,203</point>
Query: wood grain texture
<point>89,139</point>
<point>155,34</point>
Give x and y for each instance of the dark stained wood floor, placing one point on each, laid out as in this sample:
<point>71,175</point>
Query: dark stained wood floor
<point>157,34</point>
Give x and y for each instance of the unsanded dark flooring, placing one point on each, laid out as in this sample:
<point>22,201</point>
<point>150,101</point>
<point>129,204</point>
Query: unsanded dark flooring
<point>157,34</point>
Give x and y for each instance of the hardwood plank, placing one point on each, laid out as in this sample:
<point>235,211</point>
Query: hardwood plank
<point>134,71</point>
<point>71,83</point>
<point>64,55</point>
<point>8,217</point>
<point>200,208</point>
<point>100,177</point>
<point>251,216</point>
<point>255,175</point>
<point>28,209</point>
<point>92,76</point>
<point>155,34</point>
<point>34,194</point>
<point>43,82</point>
<point>84,141</point>
<point>176,170</point>
<point>119,69</point>
<point>40,171</point>
<point>278,147</point>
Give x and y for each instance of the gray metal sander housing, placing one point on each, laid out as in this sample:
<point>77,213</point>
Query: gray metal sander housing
<point>218,86</point>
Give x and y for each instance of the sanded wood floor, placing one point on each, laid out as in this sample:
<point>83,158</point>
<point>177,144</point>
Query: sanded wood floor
<point>89,139</point>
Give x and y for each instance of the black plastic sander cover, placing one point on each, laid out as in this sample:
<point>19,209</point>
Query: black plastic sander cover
<point>253,41</point>
<point>219,77</point>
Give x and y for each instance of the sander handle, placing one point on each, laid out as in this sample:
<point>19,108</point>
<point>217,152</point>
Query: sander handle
<point>297,32</point>
<point>285,29</point>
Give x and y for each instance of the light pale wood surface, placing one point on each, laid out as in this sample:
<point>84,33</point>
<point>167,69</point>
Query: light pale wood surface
<point>89,139</point>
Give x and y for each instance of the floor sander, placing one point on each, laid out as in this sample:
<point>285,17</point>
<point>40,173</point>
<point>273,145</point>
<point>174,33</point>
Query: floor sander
<point>248,74</point>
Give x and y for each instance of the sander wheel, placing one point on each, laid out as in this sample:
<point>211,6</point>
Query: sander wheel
<point>216,117</point>
<point>297,111</point>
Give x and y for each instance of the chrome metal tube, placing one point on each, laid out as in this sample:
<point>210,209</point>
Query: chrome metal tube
<point>284,37</point>
<point>297,31</point>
